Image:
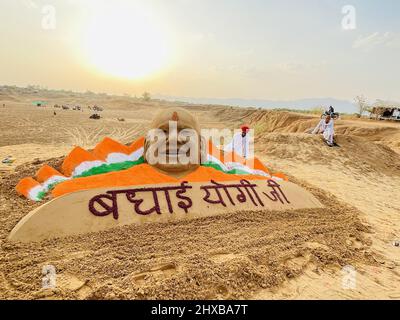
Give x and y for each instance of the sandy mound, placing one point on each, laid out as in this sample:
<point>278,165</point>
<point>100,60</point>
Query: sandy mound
<point>310,148</point>
<point>363,173</point>
<point>272,121</point>
<point>230,256</point>
<point>7,98</point>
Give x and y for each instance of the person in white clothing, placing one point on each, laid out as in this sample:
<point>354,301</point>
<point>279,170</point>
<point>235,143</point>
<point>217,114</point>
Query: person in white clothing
<point>240,143</point>
<point>396,113</point>
<point>326,127</point>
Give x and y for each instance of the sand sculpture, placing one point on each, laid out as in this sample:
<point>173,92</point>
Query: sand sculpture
<point>116,185</point>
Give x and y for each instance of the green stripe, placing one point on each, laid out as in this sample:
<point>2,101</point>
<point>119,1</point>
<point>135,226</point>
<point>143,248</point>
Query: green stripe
<point>237,171</point>
<point>213,165</point>
<point>41,195</point>
<point>52,185</point>
<point>106,168</point>
<point>113,167</point>
<point>216,166</point>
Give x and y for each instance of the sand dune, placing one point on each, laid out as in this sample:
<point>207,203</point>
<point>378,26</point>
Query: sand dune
<point>362,173</point>
<point>298,254</point>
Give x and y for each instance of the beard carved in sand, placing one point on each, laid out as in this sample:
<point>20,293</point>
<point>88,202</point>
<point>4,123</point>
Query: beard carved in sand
<point>174,145</point>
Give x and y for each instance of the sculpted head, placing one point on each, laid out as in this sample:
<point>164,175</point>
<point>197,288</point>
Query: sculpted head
<point>173,143</point>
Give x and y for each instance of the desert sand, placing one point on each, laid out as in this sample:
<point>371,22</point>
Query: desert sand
<point>263,255</point>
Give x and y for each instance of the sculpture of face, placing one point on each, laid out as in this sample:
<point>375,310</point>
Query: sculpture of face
<point>173,143</point>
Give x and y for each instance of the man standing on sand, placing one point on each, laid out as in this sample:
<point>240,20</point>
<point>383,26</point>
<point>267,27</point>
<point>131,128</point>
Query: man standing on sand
<point>325,126</point>
<point>240,143</point>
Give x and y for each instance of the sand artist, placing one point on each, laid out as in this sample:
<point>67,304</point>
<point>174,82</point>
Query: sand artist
<point>240,143</point>
<point>173,173</point>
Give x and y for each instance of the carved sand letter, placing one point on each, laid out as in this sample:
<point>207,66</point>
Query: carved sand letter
<point>179,195</point>
<point>241,197</point>
<point>247,185</point>
<point>108,209</point>
<point>131,196</point>
<point>216,186</point>
<point>276,192</point>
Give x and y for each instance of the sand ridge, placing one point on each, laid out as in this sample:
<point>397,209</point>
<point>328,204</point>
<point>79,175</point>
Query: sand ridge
<point>294,254</point>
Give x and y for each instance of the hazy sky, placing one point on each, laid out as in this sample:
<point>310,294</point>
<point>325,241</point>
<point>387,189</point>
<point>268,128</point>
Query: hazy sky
<point>259,49</point>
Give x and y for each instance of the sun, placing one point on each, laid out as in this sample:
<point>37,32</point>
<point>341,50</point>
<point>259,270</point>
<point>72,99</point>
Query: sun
<point>125,43</point>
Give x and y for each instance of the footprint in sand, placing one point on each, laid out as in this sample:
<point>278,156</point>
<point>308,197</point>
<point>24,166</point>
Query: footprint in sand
<point>315,245</point>
<point>299,262</point>
<point>223,257</point>
<point>4,283</point>
<point>72,283</point>
<point>77,255</point>
<point>162,271</point>
<point>220,292</point>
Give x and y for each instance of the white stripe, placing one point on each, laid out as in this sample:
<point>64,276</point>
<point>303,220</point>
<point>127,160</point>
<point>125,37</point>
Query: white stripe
<point>237,165</point>
<point>115,157</point>
<point>217,161</point>
<point>85,166</point>
<point>276,178</point>
<point>137,154</point>
<point>261,173</point>
<point>52,180</point>
<point>33,194</point>
<point>118,157</point>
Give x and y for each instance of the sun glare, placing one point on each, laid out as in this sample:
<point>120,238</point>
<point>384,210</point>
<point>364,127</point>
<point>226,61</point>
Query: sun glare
<point>125,44</point>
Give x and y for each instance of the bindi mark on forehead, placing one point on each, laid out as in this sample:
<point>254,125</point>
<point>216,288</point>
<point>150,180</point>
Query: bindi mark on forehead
<point>175,116</point>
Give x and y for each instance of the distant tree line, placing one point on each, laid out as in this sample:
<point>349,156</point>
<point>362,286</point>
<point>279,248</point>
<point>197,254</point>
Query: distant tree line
<point>363,106</point>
